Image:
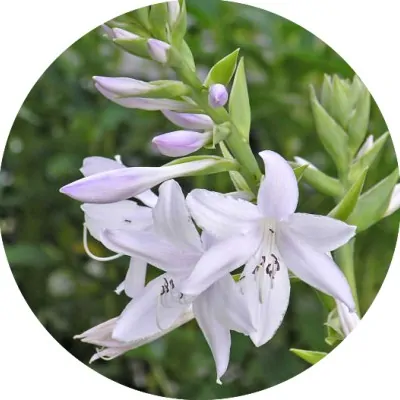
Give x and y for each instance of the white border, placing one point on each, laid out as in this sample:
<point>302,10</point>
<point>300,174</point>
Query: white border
<point>34,34</point>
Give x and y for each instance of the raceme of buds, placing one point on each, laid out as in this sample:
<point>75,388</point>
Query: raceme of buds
<point>217,95</point>
<point>158,50</point>
<point>181,143</point>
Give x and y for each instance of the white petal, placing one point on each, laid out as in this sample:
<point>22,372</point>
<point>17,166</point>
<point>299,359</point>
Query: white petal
<point>95,165</point>
<point>221,215</point>
<point>394,204</point>
<point>148,198</point>
<point>220,260</point>
<point>139,319</point>
<point>348,319</point>
<point>172,219</point>
<point>367,145</point>
<point>320,232</point>
<point>229,305</point>
<point>135,279</point>
<point>279,194</point>
<point>315,268</point>
<point>121,184</point>
<point>268,315</point>
<point>126,215</point>
<point>217,335</point>
<point>149,247</point>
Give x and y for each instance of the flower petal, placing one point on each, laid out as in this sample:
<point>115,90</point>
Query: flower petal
<point>320,232</point>
<point>220,260</point>
<point>279,194</point>
<point>149,247</point>
<point>230,305</point>
<point>267,315</point>
<point>172,219</point>
<point>217,335</point>
<point>139,319</point>
<point>95,165</point>
<point>135,279</point>
<point>148,198</point>
<point>221,215</point>
<point>121,184</point>
<point>189,121</point>
<point>348,319</point>
<point>125,215</point>
<point>315,268</point>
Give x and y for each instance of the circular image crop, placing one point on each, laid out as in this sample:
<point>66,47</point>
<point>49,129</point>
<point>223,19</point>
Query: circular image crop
<point>199,200</point>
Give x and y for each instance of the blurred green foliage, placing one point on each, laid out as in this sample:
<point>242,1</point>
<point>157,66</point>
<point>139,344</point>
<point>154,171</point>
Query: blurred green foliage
<point>64,120</point>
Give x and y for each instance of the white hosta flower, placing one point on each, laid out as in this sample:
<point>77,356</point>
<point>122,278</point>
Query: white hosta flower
<point>189,121</point>
<point>123,183</point>
<point>144,103</point>
<point>394,203</point>
<point>219,309</point>
<point>348,319</point>
<point>268,238</point>
<point>125,215</point>
<point>181,143</point>
<point>109,348</point>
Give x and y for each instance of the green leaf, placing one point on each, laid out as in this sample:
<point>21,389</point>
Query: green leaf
<point>326,93</point>
<point>239,105</point>
<point>320,181</point>
<point>137,47</point>
<point>237,179</point>
<point>368,158</point>
<point>222,72</point>
<point>218,164</point>
<point>29,255</point>
<point>158,19</point>
<point>299,171</point>
<point>358,123</point>
<point>142,17</point>
<point>349,201</point>
<point>373,204</point>
<point>331,134</point>
<point>340,106</point>
<point>187,56</point>
<point>180,26</point>
<point>310,356</point>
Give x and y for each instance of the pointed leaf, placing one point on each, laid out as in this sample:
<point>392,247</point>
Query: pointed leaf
<point>368,158</point>
<point>340,106</point>
<point>239,106</point>
<point>142,17</point>
<point>326,93</point>
<point>349,201</point>
<point>310,356</point>
<point>222,72</point>
<point>299,171</point>
<point>373,204</point>
<point>137,47</point>
<point>158,19</point>
<point>180,26</point>
<point>331,134</point>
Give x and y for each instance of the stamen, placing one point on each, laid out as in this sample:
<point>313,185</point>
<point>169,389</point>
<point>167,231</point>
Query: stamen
<point>91,255</point>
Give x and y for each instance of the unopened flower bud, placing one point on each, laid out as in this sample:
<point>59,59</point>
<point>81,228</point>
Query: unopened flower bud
<point>158,50</point>
<point>181,143</point>
<point>122,86</point>
<point>189,121</point>
<point>173,11</point>
<point>217,95</point>
<point>123,34</point>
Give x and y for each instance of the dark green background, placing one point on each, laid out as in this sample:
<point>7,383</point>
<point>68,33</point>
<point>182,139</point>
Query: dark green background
<point>64,120</point>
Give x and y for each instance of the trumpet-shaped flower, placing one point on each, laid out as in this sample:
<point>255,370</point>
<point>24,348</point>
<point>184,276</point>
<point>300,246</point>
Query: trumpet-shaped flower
<point>122,183</point>
<point>219,309</point>
<point>268,238</point>
<point>181,143</point>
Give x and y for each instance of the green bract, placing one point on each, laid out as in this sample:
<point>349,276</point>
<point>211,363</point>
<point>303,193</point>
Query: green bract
<point>222,72</point>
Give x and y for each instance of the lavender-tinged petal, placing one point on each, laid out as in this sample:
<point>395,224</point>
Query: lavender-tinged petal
<point>121,86</point>
<point>158,50</point>
<point>189,121</point>
<point>218,95</point>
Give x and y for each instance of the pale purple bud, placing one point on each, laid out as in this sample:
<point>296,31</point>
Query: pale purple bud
<point>123,183</point>
<point>158,50</point>
<point>173,11</point>
<point>123,34</point>
<point>108,31</point>
<point>217,95</point>
<point>189,121</point>
<point>122,86</point>
<point>181,143</point>
<point>144,103</point>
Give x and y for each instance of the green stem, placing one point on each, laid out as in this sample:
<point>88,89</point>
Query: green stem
<point>345,258</point>
<point>237,144</point>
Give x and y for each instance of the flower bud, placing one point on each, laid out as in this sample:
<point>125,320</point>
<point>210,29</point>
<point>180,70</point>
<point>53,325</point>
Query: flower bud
<point>348,319</point>
<point>394,203</point>
<point>173,11</point>
<point>217,95</point>
<point>158,50</point>
<point>189,121</point>
<point>122,86</point>
<point>180,143</point>
<point>123,34</point>
<point>368,144</point>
